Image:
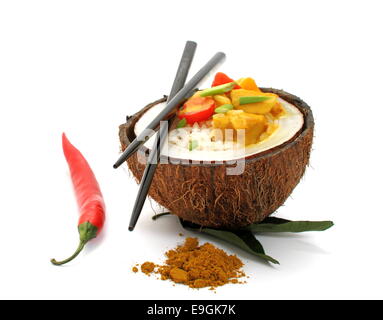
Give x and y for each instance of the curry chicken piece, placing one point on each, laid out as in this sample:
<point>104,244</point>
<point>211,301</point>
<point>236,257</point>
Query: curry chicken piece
<point>254,125</point>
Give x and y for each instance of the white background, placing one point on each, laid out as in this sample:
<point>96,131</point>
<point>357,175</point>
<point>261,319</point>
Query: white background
<point>82,66</point>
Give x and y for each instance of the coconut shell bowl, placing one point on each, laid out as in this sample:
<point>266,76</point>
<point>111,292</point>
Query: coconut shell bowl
<point>206,195</point>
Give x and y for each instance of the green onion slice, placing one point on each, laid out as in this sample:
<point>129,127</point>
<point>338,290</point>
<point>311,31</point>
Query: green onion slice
<point>224,108</point>
<point>253,99</point>
<point>181,123</point>
<point>193,144</point>
<point>218,89</point>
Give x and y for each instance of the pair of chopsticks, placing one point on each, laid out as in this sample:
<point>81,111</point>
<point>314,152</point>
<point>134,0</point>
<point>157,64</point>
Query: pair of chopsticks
<point>178,94</point>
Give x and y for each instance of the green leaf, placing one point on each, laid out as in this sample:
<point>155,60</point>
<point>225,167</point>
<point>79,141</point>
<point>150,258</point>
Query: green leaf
<point>252,99</point>
<point>193,144</point>
<point>224,108</point>
<point>181,123</point>
<point>273,224</point>
<point>243,239</point>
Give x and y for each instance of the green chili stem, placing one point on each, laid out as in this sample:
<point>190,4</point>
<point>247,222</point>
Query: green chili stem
<point>79,249</point>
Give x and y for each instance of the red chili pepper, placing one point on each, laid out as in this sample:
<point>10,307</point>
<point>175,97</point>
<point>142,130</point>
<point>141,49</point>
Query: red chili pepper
<point>197,109</point>
<point>88,194</point>
<point>221,78</point>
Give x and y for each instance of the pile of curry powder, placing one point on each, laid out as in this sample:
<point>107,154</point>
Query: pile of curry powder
<point>197,266</point>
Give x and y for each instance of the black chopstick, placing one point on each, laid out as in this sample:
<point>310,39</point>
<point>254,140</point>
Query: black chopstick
<point>171,105</point>
<point>179,81</point>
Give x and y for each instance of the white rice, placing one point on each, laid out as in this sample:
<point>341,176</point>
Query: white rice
<point>202,135</point>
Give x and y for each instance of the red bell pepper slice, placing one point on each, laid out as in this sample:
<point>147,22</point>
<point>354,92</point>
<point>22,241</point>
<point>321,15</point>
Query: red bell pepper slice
<point>221,78</point>
<point>197,109</point>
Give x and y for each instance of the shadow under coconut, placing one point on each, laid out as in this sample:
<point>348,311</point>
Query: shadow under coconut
<point>295,252</point>
<point>290,246</point>
<point>298,241</point>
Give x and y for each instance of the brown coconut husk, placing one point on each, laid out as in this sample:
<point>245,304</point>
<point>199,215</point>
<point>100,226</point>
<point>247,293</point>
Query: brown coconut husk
<point>204,194</point>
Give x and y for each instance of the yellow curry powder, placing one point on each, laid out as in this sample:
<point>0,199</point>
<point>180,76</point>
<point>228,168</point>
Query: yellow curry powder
<point>197,266</point>
<point>148,267</point>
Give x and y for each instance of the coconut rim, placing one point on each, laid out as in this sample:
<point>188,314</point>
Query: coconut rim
<point>127,134</point>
